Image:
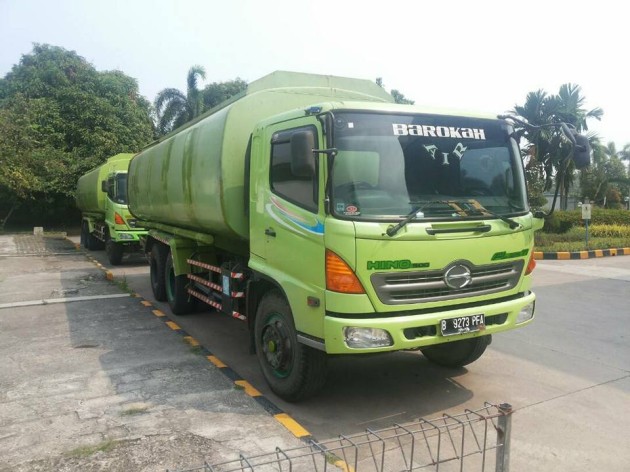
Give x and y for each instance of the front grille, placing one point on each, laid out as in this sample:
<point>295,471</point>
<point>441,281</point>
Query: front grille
<point>428,286</point>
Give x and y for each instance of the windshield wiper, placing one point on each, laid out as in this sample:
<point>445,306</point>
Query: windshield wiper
<point>461,207</point>
<point>479,209</point>
<point>392,230</point>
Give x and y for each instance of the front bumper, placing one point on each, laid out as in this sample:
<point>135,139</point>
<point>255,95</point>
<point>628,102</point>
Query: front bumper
<point>411,331</point>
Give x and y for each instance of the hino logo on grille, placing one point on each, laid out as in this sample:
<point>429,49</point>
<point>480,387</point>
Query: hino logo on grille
<point>458,276</point>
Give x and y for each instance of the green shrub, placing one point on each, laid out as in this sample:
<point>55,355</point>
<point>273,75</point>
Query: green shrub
<point>562,221</point>
<point>610,217</point>
<point>573,246</point>
<point>609,231</point>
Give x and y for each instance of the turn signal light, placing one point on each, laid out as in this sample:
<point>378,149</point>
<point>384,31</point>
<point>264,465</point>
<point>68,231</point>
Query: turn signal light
<point>531,265</point>
<point>118,219</point>
<point>339,276</point>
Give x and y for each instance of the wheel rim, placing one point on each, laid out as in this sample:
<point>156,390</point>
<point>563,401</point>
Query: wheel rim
<point>276,346</point>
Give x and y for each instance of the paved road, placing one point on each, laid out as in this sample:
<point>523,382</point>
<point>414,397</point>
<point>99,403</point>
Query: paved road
<point>87,368</point>
<point>567,374</point>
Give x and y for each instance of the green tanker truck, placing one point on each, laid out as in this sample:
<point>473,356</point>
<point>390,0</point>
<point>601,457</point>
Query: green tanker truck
<point>334,221</point>
<point>105,219</point>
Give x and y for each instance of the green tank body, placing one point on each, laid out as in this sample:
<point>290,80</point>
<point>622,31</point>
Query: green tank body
<point>195,178</point>
<point>90,198</point>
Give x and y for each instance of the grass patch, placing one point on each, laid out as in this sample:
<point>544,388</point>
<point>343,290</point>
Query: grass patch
<point>196,349</point>
<point>136,410</point>
<point>86,451</point>
<point>123,284</point>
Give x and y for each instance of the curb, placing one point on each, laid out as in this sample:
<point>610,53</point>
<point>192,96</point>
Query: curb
<point>565,256</point>
<point>240,383</point>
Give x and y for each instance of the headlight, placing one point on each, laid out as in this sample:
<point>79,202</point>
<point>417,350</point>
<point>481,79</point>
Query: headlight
<point>526,313</point>
<point>125,236</point>
<point>363,338</point>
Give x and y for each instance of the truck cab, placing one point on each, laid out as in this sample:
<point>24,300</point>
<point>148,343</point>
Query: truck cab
<point>106,220</point>
<point>403,230</point>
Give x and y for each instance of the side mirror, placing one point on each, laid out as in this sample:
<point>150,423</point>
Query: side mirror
<point>302,157</point>
<point>104,186</point>
<point>581,151</point>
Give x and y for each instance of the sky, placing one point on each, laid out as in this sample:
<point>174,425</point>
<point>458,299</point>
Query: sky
<point>481,55</point>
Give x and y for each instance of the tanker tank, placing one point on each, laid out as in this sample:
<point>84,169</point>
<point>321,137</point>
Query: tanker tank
<point>194,178</point>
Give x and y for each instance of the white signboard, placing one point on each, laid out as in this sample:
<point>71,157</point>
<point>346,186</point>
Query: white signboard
<point>586,211</point>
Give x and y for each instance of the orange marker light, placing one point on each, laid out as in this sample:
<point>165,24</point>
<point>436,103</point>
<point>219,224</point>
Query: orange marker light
<point>118,219</point>
<point>531,265</point>
<point>339,276</point>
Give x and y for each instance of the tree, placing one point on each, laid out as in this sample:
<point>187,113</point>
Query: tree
<point>174,108</point>
<point>218,92</point>
<point>398,96</point>
<point>546,149</point>
<point>606,181</point>
<point>59,118</point>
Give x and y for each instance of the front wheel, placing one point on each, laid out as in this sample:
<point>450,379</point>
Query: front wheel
<point>457,353</point>
<point>114,252</point>
<point>180,301</point>
<point>292,370</point>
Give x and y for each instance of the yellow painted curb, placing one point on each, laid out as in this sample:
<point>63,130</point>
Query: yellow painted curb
<point>216,361</point>
<point>173,325</point>
<point>190,340</point>
<point>249,389</point>
<point>292,425</point>
<point>158,313</point>
<point>109,275</point>
<point>146,303</point>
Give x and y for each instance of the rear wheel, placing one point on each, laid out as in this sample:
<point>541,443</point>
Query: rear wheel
<point>114,252</point>
<point>180,301</point>
<point>457,353</point>
<point>292,370</point>
<point>157,260</point>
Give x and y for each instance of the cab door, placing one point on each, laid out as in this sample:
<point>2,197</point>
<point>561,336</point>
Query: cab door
<point>289,219</point>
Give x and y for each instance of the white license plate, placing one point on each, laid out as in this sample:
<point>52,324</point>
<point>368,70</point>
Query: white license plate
<point>462,325</point>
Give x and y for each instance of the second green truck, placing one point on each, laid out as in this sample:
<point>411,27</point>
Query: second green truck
<point>334,221</point>
<point>105,219</point>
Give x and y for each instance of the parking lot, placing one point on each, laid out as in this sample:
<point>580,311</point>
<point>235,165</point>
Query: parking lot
<point>92,379</point>
<point>106,368</point>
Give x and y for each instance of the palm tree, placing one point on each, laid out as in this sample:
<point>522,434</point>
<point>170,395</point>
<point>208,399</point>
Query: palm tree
<point>546,147</point>
<point>624,154</point>
<point>173,108</point>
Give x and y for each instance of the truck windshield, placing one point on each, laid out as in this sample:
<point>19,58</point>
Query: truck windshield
<point>390,165</point>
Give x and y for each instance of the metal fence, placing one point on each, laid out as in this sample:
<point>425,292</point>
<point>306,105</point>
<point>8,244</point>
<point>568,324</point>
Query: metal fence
<point>448,443</point>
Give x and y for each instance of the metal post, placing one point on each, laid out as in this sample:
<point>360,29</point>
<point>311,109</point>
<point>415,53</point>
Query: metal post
<point>586,223</point>
<point>504,429</point>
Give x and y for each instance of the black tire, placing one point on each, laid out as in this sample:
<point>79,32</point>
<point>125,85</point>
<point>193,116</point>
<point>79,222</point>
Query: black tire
<point>292,370</point>
<point>114,252</point>
<point>180,301</point>
<point>157,260</point>
<point>457,354</point>
<point>84,234</point>
<point>92,243</point>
